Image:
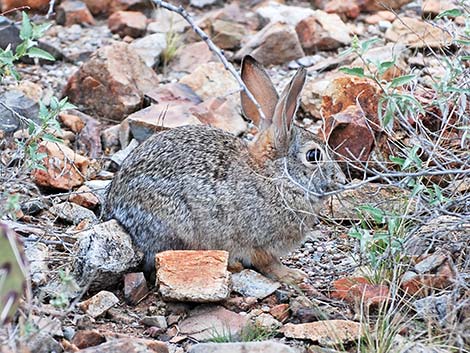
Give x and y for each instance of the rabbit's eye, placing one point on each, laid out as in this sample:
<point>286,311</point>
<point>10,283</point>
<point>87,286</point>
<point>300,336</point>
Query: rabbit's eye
<point>313,155</point>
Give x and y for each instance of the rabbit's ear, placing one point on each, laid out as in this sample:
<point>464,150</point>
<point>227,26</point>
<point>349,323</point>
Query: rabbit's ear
<point>285,110</point>
<point>259,84</point>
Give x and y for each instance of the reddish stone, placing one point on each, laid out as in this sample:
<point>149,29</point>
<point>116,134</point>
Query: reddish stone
<point>193,275</point>
<point>72,12</point>
<point>87,338</point>
<point>342,286</point>
<point>41,5</point>
<point>369,294</point>
<point>128,23</point>
<point>115,74</point>
<point>415,284</point>
<point>72,122</point>
<point>135,287</point>
<point>280,312</point>
<point>84,197</point>
<point>343,8</point>
<point>65,169</point>
<point>380,16</point>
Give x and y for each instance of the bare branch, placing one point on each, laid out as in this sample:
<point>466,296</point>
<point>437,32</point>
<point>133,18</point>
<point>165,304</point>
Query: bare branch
<point>228,66</point>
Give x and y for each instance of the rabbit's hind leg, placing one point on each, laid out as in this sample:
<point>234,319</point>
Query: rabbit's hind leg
<point>271,266</point>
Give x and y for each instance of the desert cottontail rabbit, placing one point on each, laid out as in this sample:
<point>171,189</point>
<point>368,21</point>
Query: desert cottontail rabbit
<point>198,187</point>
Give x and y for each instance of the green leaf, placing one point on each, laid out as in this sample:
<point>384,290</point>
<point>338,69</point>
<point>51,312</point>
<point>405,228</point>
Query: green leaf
<point>376,213</point>
<point>35,52</point>
<point>39,30</point>
<point>365,45</point>
<point>51,138</point>
<point>355,71</point>
<point>450,13</point>
<point>26,31</point>
<point>462,41</point>
<point>397,160</point>
<point>384,66</point>
<point>402,80</point>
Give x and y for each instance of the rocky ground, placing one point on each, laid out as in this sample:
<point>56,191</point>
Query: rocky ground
<point>132,69</point>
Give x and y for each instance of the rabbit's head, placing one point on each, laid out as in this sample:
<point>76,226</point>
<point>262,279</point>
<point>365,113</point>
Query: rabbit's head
<point>293,153</point>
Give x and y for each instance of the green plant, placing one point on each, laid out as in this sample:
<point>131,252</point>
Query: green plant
<point>173,42</point>
<point>251,332</point>
<point>29,34</point>
<point>68,287</point>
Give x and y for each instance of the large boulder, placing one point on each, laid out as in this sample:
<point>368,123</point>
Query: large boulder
<point>112,84</point>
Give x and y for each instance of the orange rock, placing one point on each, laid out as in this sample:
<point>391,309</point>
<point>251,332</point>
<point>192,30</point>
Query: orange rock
<point>84,197</point>
<point>280,312</point>
<point>128,23</point>
<point>345,9</point>
<point>193,275</point>
<point>87,338</point>
<point>380,16</point>
<point>415,284</point>
<point>72,12</point>
<point>65,169</point>
<point>72,122</point>
<point>342,286</point>
<point>369,294</point>
<point>377,5</point>
<point>41,5</point>
<point>326,332</point>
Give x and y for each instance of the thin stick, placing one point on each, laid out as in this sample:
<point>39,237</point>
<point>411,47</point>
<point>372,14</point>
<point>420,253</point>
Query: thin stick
<point>51,8</point>
<point>228,66</point>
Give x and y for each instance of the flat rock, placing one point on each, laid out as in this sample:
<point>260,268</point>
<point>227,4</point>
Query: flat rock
<point>72,213</point>
<point>327,332</point>
<point>155,321</point>
<point>99,303</point>
<point>128,345</point>
<point>416,33</point>
<point>84,197</point>
<point>228,34</point>
<point>112,83</point>
<point>322,31</point>
<point>242,347</point>
<point>430,263</point>
<point>252,284</point>
<point>275,44</point>
<point>208,322</point>
<point>211,80</point>
<point>149,48</point>
<point>273,11</point>
<point>193,275</point>
<point>103,254</point>
<point>202,3</point>
<point>190,56</point>
<point>434,308</point>
<point>128,23</point>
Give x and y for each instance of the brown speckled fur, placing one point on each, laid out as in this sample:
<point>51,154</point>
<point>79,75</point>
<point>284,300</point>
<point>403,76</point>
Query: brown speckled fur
<point>198,187</point>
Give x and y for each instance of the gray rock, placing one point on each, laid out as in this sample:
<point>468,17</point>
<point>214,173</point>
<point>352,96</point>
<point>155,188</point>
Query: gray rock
<point>98,187</point>
<point>42,342</point>
<point>202,3</point>
<point>37,255</point>
<point>267,321</point>
<point>433,308</point>
<point>51,326</point>
<point>103,254</point>
<point>12,102</point>
<point>157,321</point>
<point>251,284</point>
<point>72,213</point>
<point>128,345</point>
<point>99,303</point>
<point>275,12</point>
<point>430,263</point>
<point>150,48</point>
<point>121,155</point>
<point>242,347</point>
